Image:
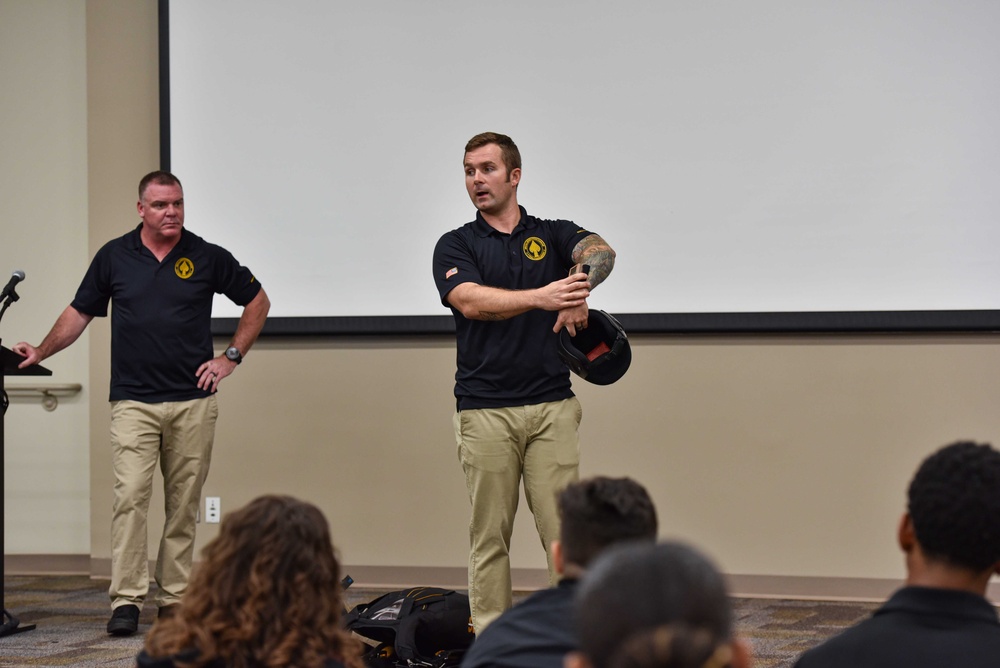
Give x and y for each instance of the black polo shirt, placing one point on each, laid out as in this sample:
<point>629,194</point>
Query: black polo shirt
<point>918,627</point>
<point>507,362</point>
<point>161,320</point>
<point>536,633</point>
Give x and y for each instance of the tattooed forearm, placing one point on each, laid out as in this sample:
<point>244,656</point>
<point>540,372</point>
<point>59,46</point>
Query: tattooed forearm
<point>488,315</point>
<point>596,252</point>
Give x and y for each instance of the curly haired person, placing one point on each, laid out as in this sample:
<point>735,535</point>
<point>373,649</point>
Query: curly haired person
<point>266,594</point>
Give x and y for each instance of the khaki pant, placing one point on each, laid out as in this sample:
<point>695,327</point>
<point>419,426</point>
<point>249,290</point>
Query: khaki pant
<point>497,446</point>
<point>179,435</point>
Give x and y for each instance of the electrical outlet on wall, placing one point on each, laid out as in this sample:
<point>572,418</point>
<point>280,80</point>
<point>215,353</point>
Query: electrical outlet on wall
<point>213,509</point>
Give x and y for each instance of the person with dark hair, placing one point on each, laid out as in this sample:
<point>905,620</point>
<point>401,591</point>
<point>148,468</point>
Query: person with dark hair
<point>504,277</point>
<point>537,633</point>
<point>655,606</point>
<point>161,280</point>
<point>950,534</point>
<point>266,594</point>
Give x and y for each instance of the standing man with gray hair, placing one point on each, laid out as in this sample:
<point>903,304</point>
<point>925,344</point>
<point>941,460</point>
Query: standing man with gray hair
<point>513,281</point>
<point>161,280</point>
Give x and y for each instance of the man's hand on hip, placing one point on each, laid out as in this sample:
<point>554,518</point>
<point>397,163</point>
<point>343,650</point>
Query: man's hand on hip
<point>211,373</point>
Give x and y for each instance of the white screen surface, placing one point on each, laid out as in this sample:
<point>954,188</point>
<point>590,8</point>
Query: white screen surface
<point>739,157</point>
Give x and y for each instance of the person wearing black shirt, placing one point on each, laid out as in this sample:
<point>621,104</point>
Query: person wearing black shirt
<point>161,279</point>
<point>538,632</point>
<point>950,535</point>
<point>504,276</point>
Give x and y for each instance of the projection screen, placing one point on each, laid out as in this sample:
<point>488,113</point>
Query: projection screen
<point>774,165</point>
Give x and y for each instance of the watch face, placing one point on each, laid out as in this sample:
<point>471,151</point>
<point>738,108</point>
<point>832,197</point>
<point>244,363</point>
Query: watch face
<point>233,354</point>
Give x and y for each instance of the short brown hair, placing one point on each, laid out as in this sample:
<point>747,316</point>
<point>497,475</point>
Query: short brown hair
<point>508,149</point>
<point>599,512</point>
<point>158,177</point>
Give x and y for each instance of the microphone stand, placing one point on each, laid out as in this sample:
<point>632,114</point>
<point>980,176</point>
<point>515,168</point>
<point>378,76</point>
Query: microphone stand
<point>12,297</point>
<point>9,624</point>
<point>4,403</point>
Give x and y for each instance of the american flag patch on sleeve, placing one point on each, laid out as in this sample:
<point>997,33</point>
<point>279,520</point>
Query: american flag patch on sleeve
<point>451,272</point>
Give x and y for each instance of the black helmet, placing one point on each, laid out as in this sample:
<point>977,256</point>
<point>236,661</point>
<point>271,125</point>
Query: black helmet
<point>600,353</point>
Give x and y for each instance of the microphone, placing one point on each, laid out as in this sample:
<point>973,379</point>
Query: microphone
<point>15,278</point>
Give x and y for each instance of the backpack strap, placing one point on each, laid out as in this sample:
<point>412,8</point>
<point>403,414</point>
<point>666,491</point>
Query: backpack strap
<point>417,599</point>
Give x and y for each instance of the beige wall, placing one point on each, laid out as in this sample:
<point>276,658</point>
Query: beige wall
<point>43,230</point>
<point>782,456</point>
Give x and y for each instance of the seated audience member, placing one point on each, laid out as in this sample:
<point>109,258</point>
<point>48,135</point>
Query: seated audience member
<point>655,606</point>
<point>266,593</point>
<point>594,514</point>
<point>951,536</point>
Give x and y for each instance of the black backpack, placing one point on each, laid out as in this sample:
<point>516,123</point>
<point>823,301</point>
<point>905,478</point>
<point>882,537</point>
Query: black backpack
<point>422,626</point>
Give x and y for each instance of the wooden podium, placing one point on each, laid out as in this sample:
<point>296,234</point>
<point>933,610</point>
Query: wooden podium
<point>9,624</point>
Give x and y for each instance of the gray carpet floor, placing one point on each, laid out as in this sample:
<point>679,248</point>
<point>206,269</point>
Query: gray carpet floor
<point>70,613</point>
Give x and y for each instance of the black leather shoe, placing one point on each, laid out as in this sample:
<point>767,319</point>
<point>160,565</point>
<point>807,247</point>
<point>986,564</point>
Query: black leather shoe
<point>124,620</point>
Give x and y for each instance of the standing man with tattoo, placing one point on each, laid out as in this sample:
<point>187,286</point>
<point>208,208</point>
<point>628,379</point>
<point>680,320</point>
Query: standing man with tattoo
<point>504,276</point>
<point>160,279</point>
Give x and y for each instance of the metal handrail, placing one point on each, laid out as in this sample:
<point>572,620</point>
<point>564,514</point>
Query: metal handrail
<point>49,392</point>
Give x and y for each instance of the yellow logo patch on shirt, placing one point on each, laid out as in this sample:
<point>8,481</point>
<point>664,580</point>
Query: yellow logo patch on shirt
<point>534,248</point>
<point>184,268</point>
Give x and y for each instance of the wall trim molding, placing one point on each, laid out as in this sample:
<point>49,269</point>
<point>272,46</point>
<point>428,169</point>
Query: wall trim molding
<point>524,579</point>
<point>47,564</point>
